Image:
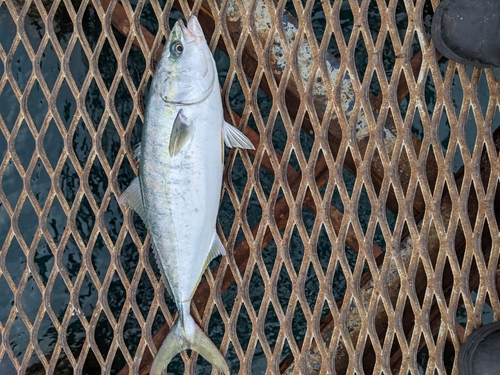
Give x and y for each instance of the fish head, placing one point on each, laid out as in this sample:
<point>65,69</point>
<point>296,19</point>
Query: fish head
<point>186,71</point>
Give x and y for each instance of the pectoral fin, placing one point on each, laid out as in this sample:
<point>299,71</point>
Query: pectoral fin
<point>132,198</point>
<point>235,138</point>
<point>182,132</point>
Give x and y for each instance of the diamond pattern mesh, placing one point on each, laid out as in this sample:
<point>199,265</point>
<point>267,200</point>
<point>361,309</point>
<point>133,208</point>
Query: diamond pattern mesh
<point>362,233</point>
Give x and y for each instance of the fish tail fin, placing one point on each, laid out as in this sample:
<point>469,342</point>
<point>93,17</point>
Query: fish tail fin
<point>203,345</point>
<point>187,335</point>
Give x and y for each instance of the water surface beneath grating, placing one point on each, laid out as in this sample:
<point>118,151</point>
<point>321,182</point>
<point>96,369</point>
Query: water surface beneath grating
<point>53,144</point>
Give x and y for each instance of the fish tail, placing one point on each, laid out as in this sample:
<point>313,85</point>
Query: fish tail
<point>186,334</point>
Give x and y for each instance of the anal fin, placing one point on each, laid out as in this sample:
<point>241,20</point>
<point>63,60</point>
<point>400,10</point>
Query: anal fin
<point>216,249</point>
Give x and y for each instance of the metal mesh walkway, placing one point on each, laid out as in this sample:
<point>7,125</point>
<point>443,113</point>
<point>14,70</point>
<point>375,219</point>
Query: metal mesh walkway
<point>362,233</point>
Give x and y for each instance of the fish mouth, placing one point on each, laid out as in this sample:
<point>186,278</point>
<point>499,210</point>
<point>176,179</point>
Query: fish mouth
<point>192,32</point>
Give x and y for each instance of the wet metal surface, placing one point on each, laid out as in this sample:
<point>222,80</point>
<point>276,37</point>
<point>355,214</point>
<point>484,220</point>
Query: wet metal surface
<point>362,233</point>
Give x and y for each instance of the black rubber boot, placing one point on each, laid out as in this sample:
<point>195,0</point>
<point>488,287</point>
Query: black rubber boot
<point>468,31</point>
<point>480,353</point>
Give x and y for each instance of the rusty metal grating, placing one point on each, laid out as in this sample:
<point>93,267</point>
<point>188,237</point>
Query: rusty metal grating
<point>363,232</point>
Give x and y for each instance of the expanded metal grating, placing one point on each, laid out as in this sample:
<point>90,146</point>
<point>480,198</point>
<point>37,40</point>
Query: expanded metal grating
<point>362,233</point>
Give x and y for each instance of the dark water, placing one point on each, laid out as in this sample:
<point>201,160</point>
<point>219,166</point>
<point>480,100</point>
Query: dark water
<point>81,142</point>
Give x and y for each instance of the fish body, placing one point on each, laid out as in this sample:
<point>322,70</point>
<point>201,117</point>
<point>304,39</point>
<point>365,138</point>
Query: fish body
<point>178,189</point>
<point>182,191</point>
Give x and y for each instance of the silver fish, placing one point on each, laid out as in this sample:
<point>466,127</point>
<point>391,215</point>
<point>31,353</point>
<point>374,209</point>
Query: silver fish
<point>178,189</point>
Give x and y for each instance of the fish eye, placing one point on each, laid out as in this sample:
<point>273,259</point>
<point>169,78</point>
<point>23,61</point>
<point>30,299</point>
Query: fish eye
<point>176,49</point>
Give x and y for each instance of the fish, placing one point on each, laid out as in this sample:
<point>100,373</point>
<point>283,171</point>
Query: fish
<point>177,191</point>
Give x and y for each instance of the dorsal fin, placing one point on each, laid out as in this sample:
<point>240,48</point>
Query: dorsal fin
<point>132,198</point>
<point>162,271</point>
<point>137,151</point>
